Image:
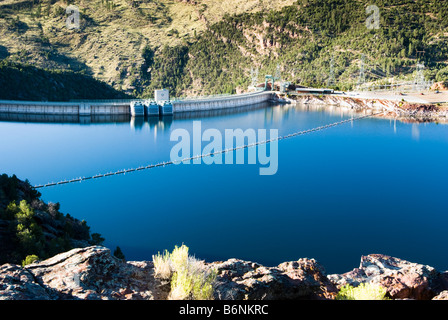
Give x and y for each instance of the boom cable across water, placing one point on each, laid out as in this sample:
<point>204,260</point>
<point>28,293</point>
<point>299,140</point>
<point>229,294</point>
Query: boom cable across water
<point>166,163</point>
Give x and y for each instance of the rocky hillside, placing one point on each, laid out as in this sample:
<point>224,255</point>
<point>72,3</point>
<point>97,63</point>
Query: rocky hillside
<point>208,46</point>
<point>112,36</point>
<point>395,109</point>
<point>34,229</point>
<point>92,273</point>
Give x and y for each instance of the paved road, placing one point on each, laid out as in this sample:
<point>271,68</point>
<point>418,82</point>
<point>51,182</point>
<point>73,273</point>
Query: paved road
<point>415,98</point>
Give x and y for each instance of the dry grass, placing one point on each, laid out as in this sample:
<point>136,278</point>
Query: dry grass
<point>189,277</point>
<point>109,45</point>
<point>162,265</point>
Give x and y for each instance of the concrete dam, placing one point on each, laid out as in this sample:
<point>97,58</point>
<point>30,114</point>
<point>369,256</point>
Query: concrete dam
<point>162,105</point>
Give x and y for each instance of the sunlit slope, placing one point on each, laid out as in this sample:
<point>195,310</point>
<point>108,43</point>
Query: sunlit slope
<point>205,47</point>
<point>112,34</point>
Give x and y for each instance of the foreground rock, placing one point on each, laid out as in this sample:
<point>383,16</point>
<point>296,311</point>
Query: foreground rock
<point>93,273</point>
<point>87,273</point>
<point>402,279</point>
<point>17,283</point>
<point>242,280</point>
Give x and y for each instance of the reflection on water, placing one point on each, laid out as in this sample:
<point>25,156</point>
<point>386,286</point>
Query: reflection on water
<point>136,123</point>
<point>333,110</point>
<point>220,112</point>
<point>62,118</point>
<point>273,114</point>
<point>338,193</point>
<point>156,123</point>
<point>415,131</point>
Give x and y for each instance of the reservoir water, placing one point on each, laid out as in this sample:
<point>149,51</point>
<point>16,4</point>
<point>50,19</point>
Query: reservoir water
<point>371,186</point>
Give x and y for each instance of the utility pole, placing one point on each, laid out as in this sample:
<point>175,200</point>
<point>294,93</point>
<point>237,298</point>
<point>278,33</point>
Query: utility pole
<point>277,75</point>
<point>254,77</point>
<point>420,54</point>
<point>419,82</point>
<point>331,81</point>
<point>362,75</point>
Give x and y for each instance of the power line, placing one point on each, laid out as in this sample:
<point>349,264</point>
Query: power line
<point>362,75</point>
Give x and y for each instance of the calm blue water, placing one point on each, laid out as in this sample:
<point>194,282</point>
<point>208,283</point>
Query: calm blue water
<point>373,186</point>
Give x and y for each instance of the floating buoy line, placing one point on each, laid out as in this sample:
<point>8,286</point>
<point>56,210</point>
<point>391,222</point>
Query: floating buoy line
<point>166,163</point>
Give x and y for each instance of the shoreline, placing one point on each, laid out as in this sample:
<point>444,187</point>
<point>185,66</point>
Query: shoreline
<point>403,108</point>
<point>412,107</point>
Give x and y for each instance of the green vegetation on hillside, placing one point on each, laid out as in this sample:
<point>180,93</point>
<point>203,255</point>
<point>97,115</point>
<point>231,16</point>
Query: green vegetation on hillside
<point>30,227</point>
<point>25,82</point>
<point>112,33</point>
<point>302,39</point>
<point>205,47</point>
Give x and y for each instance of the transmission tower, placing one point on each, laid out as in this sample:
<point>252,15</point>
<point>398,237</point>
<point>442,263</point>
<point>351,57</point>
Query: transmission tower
<point>331,80</point>
<point>254,77</point>
<point>362,75</point>
<point>420,54</point>
<point>419,82</point>
<point>277,75</point>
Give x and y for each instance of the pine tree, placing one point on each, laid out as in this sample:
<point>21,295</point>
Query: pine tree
<point>118,253</point>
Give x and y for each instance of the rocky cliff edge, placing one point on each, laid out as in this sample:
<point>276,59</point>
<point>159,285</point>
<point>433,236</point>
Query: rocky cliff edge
<point>93,273</point>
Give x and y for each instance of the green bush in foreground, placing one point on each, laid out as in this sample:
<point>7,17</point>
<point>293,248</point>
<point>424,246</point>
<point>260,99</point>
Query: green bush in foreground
<point>30,259</point>
<point>365,291</point>
<point>190,280</point>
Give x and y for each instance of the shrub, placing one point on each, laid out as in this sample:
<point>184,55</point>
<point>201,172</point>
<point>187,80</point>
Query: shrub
<point>365,291</point>
<point>442,75</point>
<point>97,239</point>
<point>189,278</point>
<point>119,254</point>
<point>162,265</point>
<point>30,259</point>
<point>179,257</point>
<point>181,285</point>
<point>202,281</point>
<point>192,281</point>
